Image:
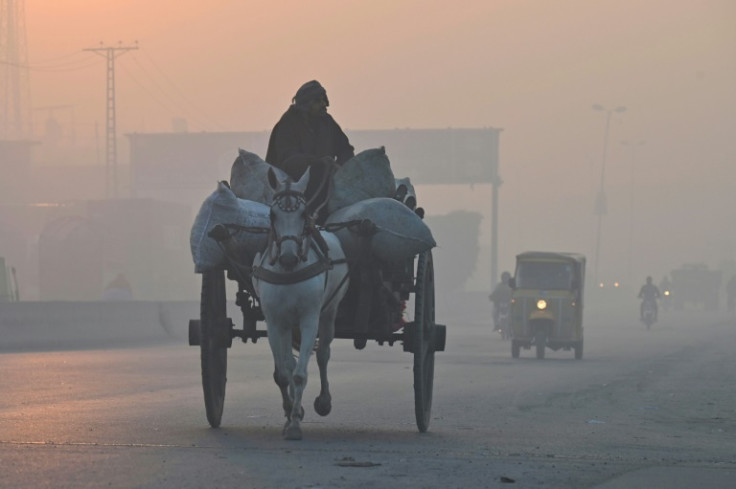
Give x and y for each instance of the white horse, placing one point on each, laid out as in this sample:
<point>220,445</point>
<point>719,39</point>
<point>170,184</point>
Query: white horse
<point>300,279</point>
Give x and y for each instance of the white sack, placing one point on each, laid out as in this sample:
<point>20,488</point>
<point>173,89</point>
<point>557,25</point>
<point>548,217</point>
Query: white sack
<point>401,234</point>
<point>366,175</point>
<point>223,207</point>
<point>249,178</point>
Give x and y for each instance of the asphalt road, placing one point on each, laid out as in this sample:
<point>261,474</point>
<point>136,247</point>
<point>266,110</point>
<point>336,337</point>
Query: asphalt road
<point>642,409</point>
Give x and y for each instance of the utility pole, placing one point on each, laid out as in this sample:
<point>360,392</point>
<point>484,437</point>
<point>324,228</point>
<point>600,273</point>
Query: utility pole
<point>111,142</point>
<point>495,186</point>
<point>15,116</point>
<point>601,207</point>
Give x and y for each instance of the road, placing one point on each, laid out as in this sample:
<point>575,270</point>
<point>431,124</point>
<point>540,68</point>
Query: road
<point>642,407</point>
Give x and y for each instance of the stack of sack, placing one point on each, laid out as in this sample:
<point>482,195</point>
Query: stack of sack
<point>364,191</point>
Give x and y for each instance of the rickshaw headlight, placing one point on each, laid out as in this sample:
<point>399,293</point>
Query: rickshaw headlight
<point>541,304</point>
<point>666,292</point>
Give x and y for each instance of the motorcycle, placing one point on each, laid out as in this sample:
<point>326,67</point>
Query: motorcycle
<point>503,318</point>
<point>649,313</point>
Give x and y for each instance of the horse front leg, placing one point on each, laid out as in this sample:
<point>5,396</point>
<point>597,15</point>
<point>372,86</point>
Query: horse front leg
<point>308,327</point>
<point>284,363</point>
<point>323,402</point>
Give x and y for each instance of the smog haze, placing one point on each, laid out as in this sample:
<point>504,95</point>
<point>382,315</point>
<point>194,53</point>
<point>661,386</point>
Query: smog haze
<point>533,68</point>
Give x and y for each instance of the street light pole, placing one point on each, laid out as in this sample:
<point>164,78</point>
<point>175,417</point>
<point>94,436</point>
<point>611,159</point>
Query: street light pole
<point>633,146</point>
<point>601,200</point>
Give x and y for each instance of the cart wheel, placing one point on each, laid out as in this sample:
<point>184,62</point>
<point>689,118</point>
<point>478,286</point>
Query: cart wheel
<point>213,345</point>
<point>424,341</point>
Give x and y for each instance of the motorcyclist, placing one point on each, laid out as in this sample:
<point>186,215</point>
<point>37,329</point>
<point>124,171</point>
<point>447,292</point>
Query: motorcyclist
<point>501,295</point>
<point>649,293</point>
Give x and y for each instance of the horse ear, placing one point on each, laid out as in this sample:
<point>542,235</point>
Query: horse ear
<point>301,185</point>
<point>272,180</point>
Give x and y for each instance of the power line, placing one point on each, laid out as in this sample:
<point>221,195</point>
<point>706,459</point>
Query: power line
<point>155,98</point>
<point>49,65</point>
<point>58,68</point>
<point>180,92</point>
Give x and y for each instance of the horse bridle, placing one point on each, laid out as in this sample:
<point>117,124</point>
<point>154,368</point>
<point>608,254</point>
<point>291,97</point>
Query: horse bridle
<point>289,200</point>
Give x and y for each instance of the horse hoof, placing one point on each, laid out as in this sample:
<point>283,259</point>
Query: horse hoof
<point>292,432</point>
<point>322,406</point>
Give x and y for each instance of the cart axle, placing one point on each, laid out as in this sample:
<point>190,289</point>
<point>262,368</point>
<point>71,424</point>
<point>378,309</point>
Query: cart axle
<point>195,333</point>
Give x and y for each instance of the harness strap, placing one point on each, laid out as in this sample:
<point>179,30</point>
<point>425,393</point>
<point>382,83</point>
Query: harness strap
<point>242,271</point>
<point>318,239</point>
<point>247,229</point>
<point>362,227</point>
<point>339,286</point>
<point>297,276</point>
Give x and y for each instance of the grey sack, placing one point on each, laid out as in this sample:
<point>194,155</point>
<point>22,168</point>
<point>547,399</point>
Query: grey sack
<point>400,233</point>
<point>249,178</point>
<point>366,175</point>
<point>223,207</point>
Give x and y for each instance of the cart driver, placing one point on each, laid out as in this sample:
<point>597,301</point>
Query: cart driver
<point>307,136</point>
<point>649,293</point>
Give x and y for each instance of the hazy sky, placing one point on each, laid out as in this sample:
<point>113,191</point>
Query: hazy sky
<point>533,68</point>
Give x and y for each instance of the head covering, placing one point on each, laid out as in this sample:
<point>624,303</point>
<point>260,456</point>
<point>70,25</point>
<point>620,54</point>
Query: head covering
<point>308,92</point>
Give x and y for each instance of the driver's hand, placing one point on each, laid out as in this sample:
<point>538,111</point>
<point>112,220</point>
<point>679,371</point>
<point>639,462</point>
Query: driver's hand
<point>328,162</point>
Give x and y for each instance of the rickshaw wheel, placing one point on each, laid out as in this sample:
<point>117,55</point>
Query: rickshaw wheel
<point>540,339</point>
<point>579,350</point>
<point>424,344</point>
<point>213,317</point>
<point>515,348</point>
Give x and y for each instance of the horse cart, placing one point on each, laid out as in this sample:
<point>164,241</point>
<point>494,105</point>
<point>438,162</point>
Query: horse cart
<point>371,309</point>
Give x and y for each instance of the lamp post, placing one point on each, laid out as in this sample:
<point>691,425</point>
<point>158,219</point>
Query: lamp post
<point>633,145</point>
<point>601,199</point>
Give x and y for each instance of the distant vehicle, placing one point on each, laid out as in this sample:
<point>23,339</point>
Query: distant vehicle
<point>8,283</point>
<point>547,302</point>
<point>694,284</point>
<point>666,299</point>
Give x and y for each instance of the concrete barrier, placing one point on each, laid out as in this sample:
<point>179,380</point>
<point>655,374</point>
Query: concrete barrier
<point>30,326</point>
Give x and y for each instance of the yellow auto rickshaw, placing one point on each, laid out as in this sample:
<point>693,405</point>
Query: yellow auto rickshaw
<point>547,302</point>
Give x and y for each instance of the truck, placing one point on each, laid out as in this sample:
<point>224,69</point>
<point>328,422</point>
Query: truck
<point>694,284</point>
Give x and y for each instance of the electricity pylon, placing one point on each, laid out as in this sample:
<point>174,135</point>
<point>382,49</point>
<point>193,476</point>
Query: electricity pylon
<point>111,142</point>
<point>15,91</point>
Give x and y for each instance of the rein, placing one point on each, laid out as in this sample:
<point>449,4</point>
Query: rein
<point>325,181</point>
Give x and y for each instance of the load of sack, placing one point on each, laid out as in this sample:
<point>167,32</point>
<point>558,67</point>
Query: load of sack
<point>365,191</point>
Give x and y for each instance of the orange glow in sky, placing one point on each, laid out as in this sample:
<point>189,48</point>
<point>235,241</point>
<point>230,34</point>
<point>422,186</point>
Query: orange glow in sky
<point>532,67</point>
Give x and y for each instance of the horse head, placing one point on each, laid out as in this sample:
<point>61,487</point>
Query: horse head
<point>290,221</point>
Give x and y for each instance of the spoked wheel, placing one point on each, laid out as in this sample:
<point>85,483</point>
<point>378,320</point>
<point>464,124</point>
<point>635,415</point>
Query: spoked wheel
<point>215,340</point>
<point>424,340</point>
